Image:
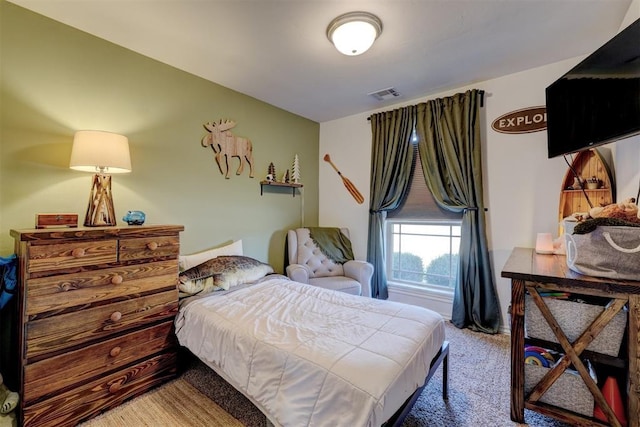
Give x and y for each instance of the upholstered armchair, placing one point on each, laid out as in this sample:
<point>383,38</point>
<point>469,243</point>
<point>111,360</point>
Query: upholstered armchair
<point>309,264</point>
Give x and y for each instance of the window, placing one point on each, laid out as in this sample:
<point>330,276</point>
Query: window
<point>422,239</point>
<point>423,253</point>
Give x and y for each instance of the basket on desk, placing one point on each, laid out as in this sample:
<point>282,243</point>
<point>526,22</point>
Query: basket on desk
<point>573,318</point>
<point>568,391</point>
<point>608,251</point>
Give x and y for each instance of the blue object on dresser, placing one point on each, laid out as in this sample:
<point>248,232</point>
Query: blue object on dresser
<point>134,217</point>
<point>7,278</point>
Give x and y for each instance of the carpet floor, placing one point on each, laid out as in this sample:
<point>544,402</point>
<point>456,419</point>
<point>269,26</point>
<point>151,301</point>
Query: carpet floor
<point>479,394</point>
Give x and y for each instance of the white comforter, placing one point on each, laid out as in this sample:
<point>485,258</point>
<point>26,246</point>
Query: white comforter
<point>309,356</point>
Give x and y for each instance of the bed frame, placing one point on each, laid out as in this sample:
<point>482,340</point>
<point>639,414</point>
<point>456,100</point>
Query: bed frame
<point>396,420</point>
<point>442,357</point>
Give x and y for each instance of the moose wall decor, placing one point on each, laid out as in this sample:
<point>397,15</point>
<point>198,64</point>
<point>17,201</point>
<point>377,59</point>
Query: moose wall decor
<point>225,145</point>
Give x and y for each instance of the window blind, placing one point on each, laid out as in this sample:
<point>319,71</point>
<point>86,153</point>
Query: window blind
<point>419,203</point>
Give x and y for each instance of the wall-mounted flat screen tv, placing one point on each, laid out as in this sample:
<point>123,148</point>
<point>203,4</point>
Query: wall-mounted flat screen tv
<point>598,101</point>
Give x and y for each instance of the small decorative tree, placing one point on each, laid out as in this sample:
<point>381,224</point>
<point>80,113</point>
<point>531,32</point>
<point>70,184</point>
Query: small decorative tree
<point>285,178</point>
<point>295,170</point>
<point>271,172</point>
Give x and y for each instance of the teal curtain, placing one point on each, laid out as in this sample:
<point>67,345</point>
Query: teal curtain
<point>391,160</point>
<point>450,150</point>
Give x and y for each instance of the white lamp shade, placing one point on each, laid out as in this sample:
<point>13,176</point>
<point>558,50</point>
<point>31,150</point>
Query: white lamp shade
<point>354,33</point>
<point>100,151</point>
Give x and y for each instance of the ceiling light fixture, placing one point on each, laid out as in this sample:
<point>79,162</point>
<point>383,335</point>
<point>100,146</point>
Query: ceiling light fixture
<point>353,33</point>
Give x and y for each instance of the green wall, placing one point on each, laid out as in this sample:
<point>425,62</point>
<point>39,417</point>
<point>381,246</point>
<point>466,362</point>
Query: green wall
<point>56,80</point>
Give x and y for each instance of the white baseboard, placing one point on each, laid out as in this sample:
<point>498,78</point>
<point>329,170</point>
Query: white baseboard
<point>440,303</point>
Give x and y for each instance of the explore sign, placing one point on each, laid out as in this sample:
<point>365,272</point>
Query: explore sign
<point>526,120</point>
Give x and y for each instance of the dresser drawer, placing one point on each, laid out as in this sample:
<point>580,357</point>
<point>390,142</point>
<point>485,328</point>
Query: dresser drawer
<point>76,367</point>
<point>63,291</point>
<point>149,248</point>
<point>68,408</point>
<point>70,255</point>
<point>58,332</point>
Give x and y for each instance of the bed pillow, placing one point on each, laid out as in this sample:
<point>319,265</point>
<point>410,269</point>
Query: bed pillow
<point>185,262</point>
<point>221,273</point>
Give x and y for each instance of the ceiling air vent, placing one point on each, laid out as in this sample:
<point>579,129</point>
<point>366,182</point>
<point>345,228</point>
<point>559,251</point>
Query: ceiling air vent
<point>385,94</point>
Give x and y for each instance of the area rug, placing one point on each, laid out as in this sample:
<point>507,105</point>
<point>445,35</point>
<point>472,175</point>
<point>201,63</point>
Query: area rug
<point>175,404</point>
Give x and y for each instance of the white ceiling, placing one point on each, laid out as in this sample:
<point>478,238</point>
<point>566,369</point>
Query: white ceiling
<point>277,50</point>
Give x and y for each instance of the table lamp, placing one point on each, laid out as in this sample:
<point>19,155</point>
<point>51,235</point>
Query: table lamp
<point>104,153</point>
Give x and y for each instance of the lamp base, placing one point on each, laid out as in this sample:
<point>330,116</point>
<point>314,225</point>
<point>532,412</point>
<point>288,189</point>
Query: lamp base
<point>100,212</point>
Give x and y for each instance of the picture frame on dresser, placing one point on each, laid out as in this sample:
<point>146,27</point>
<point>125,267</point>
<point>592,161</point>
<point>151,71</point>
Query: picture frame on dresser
<point>91,324</point>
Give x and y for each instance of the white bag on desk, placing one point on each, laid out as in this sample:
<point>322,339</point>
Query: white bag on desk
<point>607,251</point>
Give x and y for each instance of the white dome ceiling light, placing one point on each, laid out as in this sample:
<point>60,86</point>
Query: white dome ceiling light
<point>353,33</point>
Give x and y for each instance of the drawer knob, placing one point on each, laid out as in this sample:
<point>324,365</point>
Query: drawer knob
<point>115,351</point>
<point>78,252</point>
<point>114,388</point>
<point>152,246</point>
<point>115,316</point>
<point>116,280</point>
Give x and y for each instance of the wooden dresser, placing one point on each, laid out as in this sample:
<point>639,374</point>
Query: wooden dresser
<point>530,275</point>
<point>93,318</point>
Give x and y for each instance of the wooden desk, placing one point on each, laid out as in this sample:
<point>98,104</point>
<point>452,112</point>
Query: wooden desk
<point>529,271</point>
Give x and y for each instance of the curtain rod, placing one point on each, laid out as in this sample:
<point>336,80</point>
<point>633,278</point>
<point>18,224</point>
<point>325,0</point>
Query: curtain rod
<point>481,92</point>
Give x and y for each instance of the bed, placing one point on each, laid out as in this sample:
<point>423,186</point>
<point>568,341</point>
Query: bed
<point>311,356</point>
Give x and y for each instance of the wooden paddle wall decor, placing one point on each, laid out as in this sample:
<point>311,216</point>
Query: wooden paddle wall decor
<point>225,145</point>
<point>347,183</point>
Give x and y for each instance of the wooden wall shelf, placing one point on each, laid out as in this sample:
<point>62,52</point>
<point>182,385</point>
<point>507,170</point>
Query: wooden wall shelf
<point>597,190</point>
<point>291,185</point>
<point>587,164</point>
